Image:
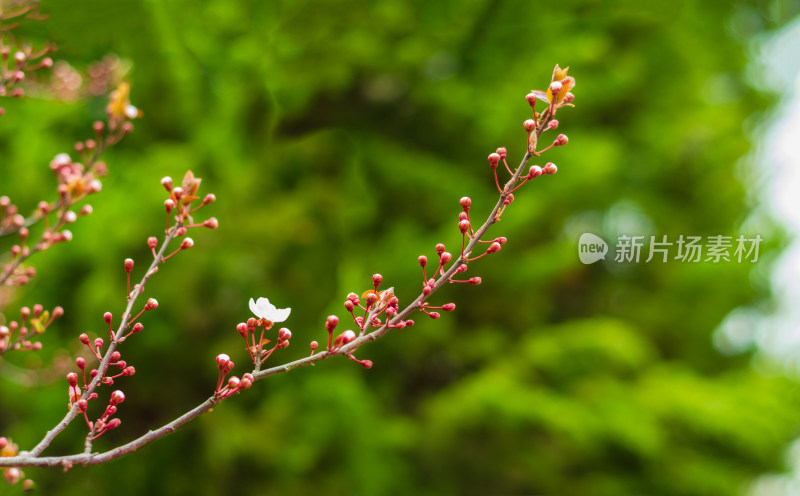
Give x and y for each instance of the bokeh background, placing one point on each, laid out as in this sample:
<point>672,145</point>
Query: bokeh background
<point>338,137</point>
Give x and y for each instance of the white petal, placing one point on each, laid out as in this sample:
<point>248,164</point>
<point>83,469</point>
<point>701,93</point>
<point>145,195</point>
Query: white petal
<point>254,308</point>
<point>280,314</point>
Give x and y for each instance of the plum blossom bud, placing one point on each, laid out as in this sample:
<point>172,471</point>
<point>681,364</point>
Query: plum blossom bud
<point>494,248</point>
<point>284,334</point>
<point>531,98</point>
<point>475,281</point>
<point>377,279</point>
<point>465,202</point>
<point>233,382</point>
<point>25,312</point>
<point>98,342</point>
<point>494,160</point>
<point>117,397</point>
<point>211,223</point>
<point>83,405</point>
<point>72,379</point>
<point>440,249</point>
<point>115,356</point>
<point>509,199</point>
<point>569,97</point>
<point>502,152</point>
<point>169,205</point>
<point>84,338</point>
<point>423,260</point>
<point>449,307</point>
<point>550,168</point>
<point>552,124</point>
<point>152,242</point>
<point>86,210</point>
<point>37,310</point>
<point>427,289</point>
<point>107,317</point>
<point>555,87</point>
<point>187,243</point>
<point>137,327</point>
<point>128,265</point>
<point>502,240</point>
<point>314,345</point>
<point>533,172</point>
<point>367,364</point>
<point>94,186</point>
<point>131,112</point>
<point>246,382</point>
<point>348,305</point>
<point>166,181</point>
<point>129,370</point>
<point>113,424</point>
<point>210,198</point>
<point>151,304</point>
<point>434,315</point>
<point>222,360</point>
<point>529,125</point>
<point>12,475</point>
<point>241,328</point>
<point>445,257</point>
<point>561,140</point>
<point>463,226</point>
<point>331,323</point>
<point>70,217</point>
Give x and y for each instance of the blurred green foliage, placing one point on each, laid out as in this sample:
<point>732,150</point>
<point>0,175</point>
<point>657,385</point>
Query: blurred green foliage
<point>338,138</point>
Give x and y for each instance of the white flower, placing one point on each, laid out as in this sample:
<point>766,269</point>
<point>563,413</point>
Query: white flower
<point>263,309</point>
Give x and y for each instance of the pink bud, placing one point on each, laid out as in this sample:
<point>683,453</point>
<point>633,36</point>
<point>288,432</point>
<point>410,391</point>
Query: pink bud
<point>222,360</point>
<point>284,334</point>
<point>494,160</point>
<point>423,260</point>
<point>152,242</point>
<point>233,382</point>
<point>529,125</point>
<point>115,356</point>
<point>242,329</point>
<point>463,226</point>
<point>502,152</point>
<point>466,202</point>
<point>348,305</point>
<point>187,243</point>
<point>210,198</point>
<point>129,370</point>
<point>502,240</point>
<point>561,140</point>
<point>107,317</point>
<point>449,307</point>
<point>427,289</point>
<point>113,424</point>
<point>531,97</point>
<point>83,405</point>
<point>550,168</point>
<point>37,310</point>
<point>166,181</point>
<point>128,265</point>
<point>475,281</point>
<point>552,124</point>
<point>138,327</point>
<point>211,223</point>
<point>117,397</point>
<point>72,379</point>
<point>494,248</point>
<point>98,342</point>
<point>151,304</point>
<point>169,205</point>
<point>367,364</point>
<point>555,87</point>
<point>84,338</point>
<point>445,257</point>
<point>177,192</point>
<point>434,315</point>
<point>440,249</point>
<point>25,312</point>
<point>331,323</point>
<point>533,172</point>
<point>81,363</point>
<point>377,279</point>
<point>314,345</point>
<point>569,97</point>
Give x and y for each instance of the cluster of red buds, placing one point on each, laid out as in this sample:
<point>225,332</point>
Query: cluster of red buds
<point>17,335</point>
<point>76,180</point>
<point>17,62</point>
<point>234,384</point>
<point>179,204</point>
